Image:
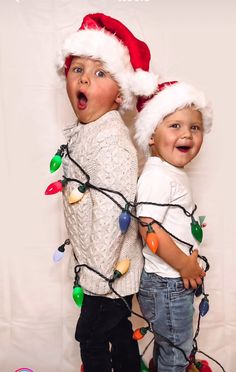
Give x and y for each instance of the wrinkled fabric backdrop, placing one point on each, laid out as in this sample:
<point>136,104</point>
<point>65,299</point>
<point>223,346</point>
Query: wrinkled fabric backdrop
<point>190,40</point>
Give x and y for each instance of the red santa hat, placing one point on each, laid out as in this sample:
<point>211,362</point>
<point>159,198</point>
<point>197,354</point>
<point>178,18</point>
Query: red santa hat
<point>124,56</point>
<point>169,97</point>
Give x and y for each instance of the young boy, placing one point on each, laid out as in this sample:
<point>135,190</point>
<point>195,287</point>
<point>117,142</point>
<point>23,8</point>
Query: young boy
<point>105,67</point>
<point>170,127</point>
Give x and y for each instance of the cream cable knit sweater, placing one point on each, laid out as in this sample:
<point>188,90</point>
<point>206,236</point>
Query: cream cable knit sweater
<point>104,149</point>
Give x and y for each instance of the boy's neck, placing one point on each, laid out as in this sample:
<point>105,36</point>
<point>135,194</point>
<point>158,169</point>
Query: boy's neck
<point>165,161</point>
<point>111,112</point>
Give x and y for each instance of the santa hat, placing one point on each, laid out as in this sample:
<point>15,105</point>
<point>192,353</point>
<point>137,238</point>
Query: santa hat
<point>124,56</point>
<point>169,97</point>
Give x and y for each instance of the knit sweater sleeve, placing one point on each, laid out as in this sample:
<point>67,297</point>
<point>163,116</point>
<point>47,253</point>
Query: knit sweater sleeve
<point>114,169</point>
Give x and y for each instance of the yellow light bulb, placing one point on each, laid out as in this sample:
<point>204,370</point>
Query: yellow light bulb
<point>75,196</point>
<point>123,266</point>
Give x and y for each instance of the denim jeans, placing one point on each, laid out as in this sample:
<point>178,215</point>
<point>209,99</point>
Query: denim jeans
<point>169,307</point>
<point>105,335</point>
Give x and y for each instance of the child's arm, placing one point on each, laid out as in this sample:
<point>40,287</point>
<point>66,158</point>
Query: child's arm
<point>187,266</point>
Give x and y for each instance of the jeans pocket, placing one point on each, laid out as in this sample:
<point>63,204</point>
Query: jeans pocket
<point>147,301</point>
<point>180,291</point>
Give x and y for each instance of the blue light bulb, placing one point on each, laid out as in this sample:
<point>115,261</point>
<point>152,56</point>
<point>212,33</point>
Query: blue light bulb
<point>124,221</point>
<point>204,306</point>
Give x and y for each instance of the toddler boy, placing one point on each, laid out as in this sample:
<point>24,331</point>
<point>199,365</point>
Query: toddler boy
<point>170,129</point>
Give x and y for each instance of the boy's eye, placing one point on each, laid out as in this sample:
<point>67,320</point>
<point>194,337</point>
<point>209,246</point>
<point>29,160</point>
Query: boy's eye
<point>78,70</point>
<point>195,128</point>
<point>100,73</point>
<point>175,125</point>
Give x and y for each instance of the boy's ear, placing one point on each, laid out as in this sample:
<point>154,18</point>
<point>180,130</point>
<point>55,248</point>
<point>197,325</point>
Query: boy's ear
<point>151,140</point>
<point>119,99</point>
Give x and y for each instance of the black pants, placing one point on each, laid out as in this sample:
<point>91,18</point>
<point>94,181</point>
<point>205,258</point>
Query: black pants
<point>105,336</point>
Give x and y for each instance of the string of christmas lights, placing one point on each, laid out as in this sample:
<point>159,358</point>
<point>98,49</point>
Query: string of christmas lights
<point>123,266</point>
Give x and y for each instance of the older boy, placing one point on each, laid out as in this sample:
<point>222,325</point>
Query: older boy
<point>105,67</point>
<point>170,128</point>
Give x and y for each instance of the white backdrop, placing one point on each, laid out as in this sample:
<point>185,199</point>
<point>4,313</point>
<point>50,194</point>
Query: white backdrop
<point>191,40</point>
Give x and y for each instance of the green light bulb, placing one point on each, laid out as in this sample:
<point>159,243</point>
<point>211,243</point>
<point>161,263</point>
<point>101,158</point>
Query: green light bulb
<point>196,231</point>
<point>143,367</point>
<point>78,295</point>
<point>55,163</point>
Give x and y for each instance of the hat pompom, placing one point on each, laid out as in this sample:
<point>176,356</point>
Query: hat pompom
<point>143,83</point>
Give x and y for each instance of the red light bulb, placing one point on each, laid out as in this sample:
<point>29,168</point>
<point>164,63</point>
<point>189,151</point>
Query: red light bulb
<point>54,188</point>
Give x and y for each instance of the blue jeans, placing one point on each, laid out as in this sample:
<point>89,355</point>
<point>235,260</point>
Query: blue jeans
<point>169,307</point>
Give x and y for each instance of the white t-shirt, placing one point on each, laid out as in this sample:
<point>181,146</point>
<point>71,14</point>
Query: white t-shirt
<point>161,182</point>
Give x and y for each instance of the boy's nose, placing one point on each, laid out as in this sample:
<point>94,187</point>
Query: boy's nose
<point>187,133</point>
<point>84,79</point>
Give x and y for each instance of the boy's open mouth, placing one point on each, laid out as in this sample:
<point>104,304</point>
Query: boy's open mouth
<point>183,148</point>
<point>82,101</point>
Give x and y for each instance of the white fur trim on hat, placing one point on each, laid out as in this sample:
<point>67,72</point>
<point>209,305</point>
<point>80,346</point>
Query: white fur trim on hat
<point>166,102</point>
<point>99,44</point>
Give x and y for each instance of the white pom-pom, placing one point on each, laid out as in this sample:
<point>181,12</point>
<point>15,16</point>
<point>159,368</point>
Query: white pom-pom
<point>143,83</point>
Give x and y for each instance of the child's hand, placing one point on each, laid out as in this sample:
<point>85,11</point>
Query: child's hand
<point>192,273</point>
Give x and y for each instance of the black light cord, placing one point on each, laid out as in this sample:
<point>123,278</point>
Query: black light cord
<point>149,326</point>
<point>110,283</point>
<point>90,268</point>
<point>147,346</point>
<point>214,360</point>
<point>195,348</point>
<point>188,214</point>
<point>105,192</point>
<point>88,184</point>
<point>128,307</point>
<point>77,164</point>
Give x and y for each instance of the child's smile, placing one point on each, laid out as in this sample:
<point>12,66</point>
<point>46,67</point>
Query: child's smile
<point>178,138</point>
<point>183,148</point>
